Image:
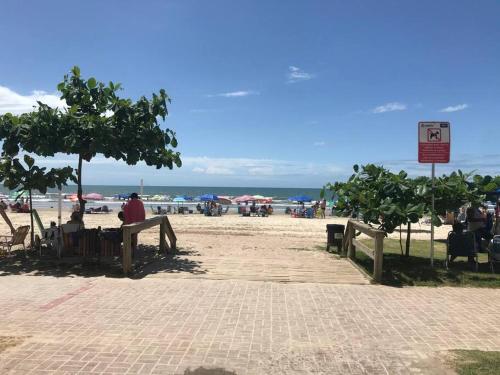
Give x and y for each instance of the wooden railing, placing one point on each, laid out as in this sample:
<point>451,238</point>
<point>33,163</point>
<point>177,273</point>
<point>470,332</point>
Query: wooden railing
<point>130,229</point>
<point>351,244</point>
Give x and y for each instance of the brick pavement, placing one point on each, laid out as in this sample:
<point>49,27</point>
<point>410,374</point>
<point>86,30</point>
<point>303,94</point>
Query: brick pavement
<point>166,326</point>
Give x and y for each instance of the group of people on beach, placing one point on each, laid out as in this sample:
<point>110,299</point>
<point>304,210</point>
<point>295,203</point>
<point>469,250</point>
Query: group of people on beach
<point>132,212</point>
<point>483,223</point>
<point>263,210</point>
<point>20,206</point>
<point>317,210</point>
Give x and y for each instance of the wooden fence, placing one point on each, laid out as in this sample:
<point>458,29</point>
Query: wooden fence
<point>351,244</point>
<point>130,229</point>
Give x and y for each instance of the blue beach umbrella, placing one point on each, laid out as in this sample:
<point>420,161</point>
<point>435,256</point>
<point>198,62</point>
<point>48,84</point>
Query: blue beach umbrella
<point>182,198</point>
<point>208,197</point>
<point>300,198</point>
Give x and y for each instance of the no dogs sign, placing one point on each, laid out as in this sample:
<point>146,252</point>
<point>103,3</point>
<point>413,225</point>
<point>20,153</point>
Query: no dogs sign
<point>434,142</point>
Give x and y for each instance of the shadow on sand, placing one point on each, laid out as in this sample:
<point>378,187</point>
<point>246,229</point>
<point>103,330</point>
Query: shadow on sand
<point>147,261</point>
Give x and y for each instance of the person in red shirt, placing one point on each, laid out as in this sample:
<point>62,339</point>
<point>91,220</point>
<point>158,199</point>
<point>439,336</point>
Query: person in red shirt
<point>134,212</point>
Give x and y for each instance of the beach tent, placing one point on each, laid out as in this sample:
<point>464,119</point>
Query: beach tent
<point>300,198</point>
<point>121,196</point>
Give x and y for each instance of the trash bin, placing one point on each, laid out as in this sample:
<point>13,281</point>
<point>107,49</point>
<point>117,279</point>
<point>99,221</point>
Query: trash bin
<point>335,236</point>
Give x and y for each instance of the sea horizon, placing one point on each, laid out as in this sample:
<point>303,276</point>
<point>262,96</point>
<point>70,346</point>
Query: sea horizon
<point>277,193</point>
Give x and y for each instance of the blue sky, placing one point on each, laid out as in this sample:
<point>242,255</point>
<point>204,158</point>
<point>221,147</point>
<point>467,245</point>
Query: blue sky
<point>273,93</point>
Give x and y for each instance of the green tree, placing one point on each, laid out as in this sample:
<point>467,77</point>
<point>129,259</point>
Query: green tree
<point>382,198</point>
<point>390,200</point>
<point>29,177</point>
<point>97,121</point>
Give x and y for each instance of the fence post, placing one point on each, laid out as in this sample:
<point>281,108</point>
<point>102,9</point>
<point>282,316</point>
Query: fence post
<point>163,242</point>
<point>351,251</point>
<point>378,257</point>
<point>127,250</point>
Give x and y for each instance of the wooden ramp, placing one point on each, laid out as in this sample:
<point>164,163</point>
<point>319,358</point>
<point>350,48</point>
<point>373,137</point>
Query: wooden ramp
<point>295,269</point>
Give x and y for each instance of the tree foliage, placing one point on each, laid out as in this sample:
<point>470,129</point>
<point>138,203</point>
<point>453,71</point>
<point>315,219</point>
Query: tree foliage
<point>29,177</point>
<point>96,121</point>
<point>389,200</point>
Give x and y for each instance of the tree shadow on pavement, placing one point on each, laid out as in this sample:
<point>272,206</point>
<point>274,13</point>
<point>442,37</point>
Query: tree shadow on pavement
<point>172,262</point>
<point>147,260</point>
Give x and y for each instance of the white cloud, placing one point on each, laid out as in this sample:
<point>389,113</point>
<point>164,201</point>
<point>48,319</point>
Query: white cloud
<point>390,107</point>
<point>11,101</point>
<point>245,167</point>
<point>295,74</point>
<point>319,144</point>
<point>454,108</point>
<point>235,94</point>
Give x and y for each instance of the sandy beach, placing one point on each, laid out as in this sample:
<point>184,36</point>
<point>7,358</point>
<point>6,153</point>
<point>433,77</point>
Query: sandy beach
<point>229,233</point>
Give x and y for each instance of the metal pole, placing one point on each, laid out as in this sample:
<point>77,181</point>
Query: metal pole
<point>141,193</point>
<point>432,222</point>
<point>59,208</point>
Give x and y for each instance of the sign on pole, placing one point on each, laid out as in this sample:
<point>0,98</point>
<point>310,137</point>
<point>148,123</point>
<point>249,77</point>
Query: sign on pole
<point>433,147</point>
<point>434,142</point>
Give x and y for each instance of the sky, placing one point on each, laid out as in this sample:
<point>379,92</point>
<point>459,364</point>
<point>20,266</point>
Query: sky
<point>271,93</point>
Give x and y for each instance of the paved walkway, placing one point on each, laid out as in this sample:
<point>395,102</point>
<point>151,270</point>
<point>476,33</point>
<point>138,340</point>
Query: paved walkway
<point>174,326</point>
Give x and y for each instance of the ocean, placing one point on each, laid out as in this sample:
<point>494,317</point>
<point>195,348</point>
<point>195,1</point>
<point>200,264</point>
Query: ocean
<point>279,195</point>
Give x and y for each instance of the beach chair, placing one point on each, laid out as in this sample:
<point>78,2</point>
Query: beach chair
<point>494,252</point>
<point>48,237</point>
<point>461,245</point>
<point>7,242</point>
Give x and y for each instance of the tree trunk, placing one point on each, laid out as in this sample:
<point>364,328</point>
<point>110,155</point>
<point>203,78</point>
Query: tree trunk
<point>32,227</point>
<point>408,236</point>
<point>80,189</point>
<point>400,241</point>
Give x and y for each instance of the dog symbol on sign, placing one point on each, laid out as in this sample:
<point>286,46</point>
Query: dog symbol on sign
<point>433,135</point>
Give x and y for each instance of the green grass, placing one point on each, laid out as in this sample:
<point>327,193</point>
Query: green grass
<point>475,362</point>
<point>416,270</point>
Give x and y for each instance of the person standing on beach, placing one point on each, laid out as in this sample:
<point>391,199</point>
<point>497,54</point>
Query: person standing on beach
<point>134,212</point>
<point>323,208</point>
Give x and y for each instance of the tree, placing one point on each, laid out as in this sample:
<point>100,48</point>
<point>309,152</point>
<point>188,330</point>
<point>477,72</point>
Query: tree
<point>29,177</point>
<point>380,197</point>
<point>97,121</point>
<point>389,200</point>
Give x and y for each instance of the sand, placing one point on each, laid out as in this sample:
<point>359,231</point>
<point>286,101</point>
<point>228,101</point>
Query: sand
<point>229,231</point>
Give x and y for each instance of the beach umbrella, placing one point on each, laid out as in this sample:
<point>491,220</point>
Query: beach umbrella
<point>300,198</point>
<point>262,199</point>
<point>244,198</point>
<point>182,198</point>
<point>224,201</point>
<point>208,197</point>
<point>94,196</point>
